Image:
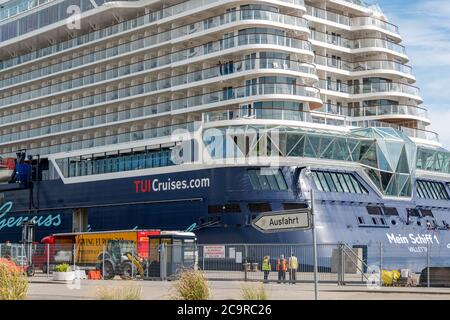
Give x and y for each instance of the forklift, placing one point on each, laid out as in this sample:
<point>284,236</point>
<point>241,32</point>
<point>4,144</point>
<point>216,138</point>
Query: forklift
<point>119,258</point>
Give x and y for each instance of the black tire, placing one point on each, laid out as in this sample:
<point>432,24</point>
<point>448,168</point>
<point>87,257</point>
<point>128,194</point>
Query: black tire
<point>127,270</point>
<point>30,271</point>
<point>108,269</point>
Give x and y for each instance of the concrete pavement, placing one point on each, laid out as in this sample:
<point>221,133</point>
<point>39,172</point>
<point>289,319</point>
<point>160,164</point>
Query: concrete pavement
<point>43,288</point>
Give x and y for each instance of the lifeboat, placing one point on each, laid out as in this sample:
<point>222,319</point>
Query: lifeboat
<point>7,166</point>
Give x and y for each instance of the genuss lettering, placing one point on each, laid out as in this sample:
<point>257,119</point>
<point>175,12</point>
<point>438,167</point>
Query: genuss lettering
<point>41,221</point>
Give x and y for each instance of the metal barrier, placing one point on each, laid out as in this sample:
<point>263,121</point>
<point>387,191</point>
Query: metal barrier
<point>337,263</point>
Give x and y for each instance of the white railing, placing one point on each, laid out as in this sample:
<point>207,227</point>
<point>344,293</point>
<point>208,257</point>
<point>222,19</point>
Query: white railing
<point>192,29</point>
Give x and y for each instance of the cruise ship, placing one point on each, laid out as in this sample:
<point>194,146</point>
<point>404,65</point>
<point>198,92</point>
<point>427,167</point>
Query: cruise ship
<point>201,115</point>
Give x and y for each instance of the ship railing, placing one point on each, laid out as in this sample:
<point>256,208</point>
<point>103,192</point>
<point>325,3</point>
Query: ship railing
<point>357,43</point>
<point>169,11</point>
<point>157,39</point>
<point>368,65</point>
<point>264,38</point>
<point>355,21</point>
<point>226,69</point>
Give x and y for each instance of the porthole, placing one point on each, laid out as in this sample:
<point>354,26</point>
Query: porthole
<point>419,223</point>
<point>393,222</point>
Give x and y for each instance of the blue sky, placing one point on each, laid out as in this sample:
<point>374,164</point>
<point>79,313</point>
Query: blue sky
<point>425,28</point>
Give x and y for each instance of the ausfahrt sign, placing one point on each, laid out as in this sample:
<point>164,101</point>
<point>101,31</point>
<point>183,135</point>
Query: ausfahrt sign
<point>283,221</point>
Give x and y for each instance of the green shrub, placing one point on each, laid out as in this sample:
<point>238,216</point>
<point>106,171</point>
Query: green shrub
<point>192,285</point>
<point>119,293</point>
<point>63,267</point>
<point>13,283</point>
<point>254,293</point>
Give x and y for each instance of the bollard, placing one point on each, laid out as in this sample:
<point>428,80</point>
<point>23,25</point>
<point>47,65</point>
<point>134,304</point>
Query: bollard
<point>74,256</point>
<point>103,262</point>
<point>428,264</point>
<point>132,264</point>
<point>48,260</point>
<point>245,263</point>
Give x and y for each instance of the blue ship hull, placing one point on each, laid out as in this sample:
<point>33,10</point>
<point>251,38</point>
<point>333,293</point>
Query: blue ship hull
<point>128,203</point>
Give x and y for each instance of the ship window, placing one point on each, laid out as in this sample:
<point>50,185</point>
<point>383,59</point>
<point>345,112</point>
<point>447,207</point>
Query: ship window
<point>267,180</point>
<point>337,182</point>
<point>259,207</point>
<point>374,210</point>
<point>360,220</point>
<point>426,213</point>
<point>374,221</point>
<point>294,206</point>
<point>383,222</point>
<point>390,211</point>
<point>431,190</point>
<point>413,212</point>
<point>121,160</point>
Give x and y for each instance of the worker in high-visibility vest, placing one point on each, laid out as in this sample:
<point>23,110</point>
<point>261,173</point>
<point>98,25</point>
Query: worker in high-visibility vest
<point>293,266</point>
<point>266,268</point>
<point>281,268</point>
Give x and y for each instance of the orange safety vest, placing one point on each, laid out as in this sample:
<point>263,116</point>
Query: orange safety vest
<point>281,266</point>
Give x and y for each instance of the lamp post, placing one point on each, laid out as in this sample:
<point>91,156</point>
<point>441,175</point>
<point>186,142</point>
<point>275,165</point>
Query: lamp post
<point>309,173</point>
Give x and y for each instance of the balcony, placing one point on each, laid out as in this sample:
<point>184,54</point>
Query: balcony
<point>183,55</point>
<point>158,39</point>
<point>357,43</point>
<point>115,29</point>
<point>226,96</point>
<point>153,87</point>
<point>372,88</point>
<point>312,117</point>
<point>371,111</point>
<point>351,22</point>
<point>363,65</point>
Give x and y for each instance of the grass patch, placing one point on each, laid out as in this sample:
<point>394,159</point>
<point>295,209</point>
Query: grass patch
<point>192,285</point>
<point>119,293</point>
<point>249,292</point>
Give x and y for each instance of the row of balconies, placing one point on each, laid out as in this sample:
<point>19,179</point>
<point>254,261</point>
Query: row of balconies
<point>351,22</point>
<point>153,63</point>
<point>391,87</point>
<point>227,96</point>
<point>223,97</point>
<point>357,43</point>
<point>114,136</point>
<point>156,39</point>
<point>183,55</point>
<point>312,117</point>
<point>378,110</point>
<point>369,65</point>
<point>167,84</point>
<point>158,86</point>
<point>175,11</point>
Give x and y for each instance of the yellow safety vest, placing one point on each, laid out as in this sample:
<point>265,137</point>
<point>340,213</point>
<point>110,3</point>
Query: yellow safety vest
<point>266,265</point>
<point>293,263</point>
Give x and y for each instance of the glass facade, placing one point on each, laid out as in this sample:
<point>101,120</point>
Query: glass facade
<point>387,155</point>
<point>337,182</point>
<point>267,179</point>
<point>116,161</point>
<point>431,190</point>
<point>437,159</point>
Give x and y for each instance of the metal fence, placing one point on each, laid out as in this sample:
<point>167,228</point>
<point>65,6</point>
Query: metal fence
<point>337,263</point>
